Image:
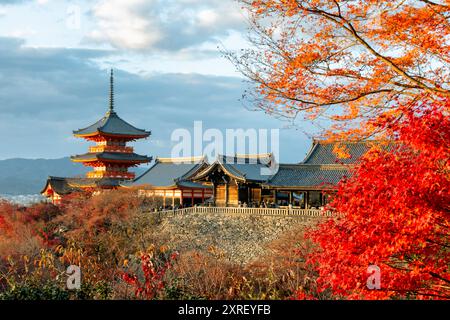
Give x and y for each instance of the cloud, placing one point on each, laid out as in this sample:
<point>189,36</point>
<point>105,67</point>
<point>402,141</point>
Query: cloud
<point>126,24</point>
<point>167,25</point>
<point>5,2</point>
<point>12,2</point>
<point>47,93</point>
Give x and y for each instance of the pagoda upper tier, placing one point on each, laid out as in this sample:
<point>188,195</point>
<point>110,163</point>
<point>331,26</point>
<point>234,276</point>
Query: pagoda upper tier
<point>111,126</point>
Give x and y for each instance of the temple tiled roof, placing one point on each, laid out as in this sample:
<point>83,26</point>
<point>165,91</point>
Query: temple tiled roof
<point>58,185</point>
<point>253,168</point>
<point>191,185</point>
<point>307,176</point>
<point>112,156</point>
<point>63,186</point>
<point>322,167</point>
<point>93,182</point>
<point>170,173</point>
<point>112,124</point>
<point>323,152</point>
<point>263,159</point>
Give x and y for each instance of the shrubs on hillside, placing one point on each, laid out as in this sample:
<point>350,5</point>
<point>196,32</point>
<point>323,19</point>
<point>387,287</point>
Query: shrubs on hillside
<point>112,237</point>
<point>39,242</point>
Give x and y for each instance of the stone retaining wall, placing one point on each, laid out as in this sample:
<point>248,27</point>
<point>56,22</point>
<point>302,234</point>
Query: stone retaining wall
<point>241,238</point>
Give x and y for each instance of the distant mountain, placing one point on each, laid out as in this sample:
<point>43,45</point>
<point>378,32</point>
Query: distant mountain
<point>28,176</point>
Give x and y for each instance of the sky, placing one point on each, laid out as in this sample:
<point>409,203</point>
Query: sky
<point>55,56</point>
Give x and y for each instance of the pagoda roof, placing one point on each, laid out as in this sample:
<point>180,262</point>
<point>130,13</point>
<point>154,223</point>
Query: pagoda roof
<point>79,183</point>
<point>111,156</point>
<point>112,124</point>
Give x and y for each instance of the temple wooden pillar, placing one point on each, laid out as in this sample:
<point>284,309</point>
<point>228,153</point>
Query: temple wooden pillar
<point>173,198</point>
<point>164,198</point>
<point>306,199</point>
<point>226,194</point>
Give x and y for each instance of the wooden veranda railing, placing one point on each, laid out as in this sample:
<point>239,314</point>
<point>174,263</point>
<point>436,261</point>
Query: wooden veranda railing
<point>252,211</point>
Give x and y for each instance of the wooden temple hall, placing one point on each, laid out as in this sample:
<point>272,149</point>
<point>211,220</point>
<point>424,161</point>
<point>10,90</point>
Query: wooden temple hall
<point>242,180</point>
<point>239,180</point>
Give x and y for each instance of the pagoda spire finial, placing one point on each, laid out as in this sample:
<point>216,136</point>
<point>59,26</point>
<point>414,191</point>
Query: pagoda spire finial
<point>111,91</point>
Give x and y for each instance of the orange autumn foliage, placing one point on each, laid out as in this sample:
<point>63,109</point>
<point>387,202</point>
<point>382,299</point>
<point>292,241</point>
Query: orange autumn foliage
<point>346,60</point>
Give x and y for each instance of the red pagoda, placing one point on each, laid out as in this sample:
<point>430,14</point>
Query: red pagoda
<point>110,157</point>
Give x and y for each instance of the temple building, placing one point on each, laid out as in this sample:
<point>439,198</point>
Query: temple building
<point>167,180</point>
<point>235,179</point>
<point>110,157</point>
<point>246,180</point>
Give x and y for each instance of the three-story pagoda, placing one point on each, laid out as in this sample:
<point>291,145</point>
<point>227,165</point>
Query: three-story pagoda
<point>110,157</point>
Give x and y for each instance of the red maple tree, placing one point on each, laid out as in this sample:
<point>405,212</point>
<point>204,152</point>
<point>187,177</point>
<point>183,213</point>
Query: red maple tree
<point>154,270</point>
<point>396,214</point>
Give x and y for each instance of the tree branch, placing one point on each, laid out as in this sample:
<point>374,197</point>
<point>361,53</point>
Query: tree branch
<point>434,3</point>
<point>346,25</point>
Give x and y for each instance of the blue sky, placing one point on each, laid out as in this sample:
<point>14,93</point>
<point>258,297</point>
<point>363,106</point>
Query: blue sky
<point>54,61</point>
